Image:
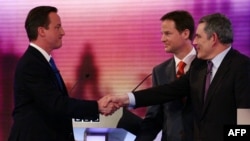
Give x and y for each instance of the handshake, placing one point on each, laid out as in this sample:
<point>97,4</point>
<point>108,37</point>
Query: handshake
<point>108,104</point>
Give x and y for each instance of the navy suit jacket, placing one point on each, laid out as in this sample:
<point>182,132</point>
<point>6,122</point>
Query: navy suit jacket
<point>43,111</point>
<point>229,90</point>
<point>169,117</point>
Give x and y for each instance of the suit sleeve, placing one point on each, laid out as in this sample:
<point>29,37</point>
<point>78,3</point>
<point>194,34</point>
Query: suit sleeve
<point>36,80</point>
<point>163,93</point>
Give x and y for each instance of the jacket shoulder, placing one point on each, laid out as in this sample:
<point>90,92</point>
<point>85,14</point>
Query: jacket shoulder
<point>164,64</point>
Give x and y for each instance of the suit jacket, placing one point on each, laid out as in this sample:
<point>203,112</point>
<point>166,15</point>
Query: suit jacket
<point>43,111</point>
<point>229,90</point>
<point>167,117</point>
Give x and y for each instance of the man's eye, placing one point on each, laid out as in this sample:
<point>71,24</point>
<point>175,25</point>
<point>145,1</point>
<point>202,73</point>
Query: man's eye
<point>197,36</point>
<point>57,27</point>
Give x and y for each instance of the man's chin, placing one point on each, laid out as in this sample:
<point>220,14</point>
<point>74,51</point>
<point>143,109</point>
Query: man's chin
<point>59,46</point>
<point>167,49</point>
<point>199,56</point>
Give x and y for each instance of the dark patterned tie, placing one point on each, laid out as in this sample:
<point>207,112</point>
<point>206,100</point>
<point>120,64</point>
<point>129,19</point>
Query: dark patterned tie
<point>208,77</point>
<point>180,70</point>
<point>56,71</point>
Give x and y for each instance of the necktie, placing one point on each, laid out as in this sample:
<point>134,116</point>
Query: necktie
<point>179,73</point>
<point>180,70</point>
<point>208,77</point>
<point>56,71</point>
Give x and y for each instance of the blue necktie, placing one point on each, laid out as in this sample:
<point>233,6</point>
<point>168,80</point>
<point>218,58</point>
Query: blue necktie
<point>208,77</point>
<point>56,71</point>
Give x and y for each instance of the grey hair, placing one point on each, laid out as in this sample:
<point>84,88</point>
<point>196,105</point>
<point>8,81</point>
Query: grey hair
<point>219,24</point>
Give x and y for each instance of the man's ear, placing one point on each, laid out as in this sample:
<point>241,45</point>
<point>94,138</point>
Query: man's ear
<point>185,33</point>
<point>214,38</point>
<point>41,31</point>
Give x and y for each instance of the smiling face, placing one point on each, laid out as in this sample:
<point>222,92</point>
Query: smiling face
<point>172,39</point>
<point>203,44</point>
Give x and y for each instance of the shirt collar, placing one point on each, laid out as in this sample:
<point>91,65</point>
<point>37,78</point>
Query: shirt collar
<point>187,59</point>
<point>218,59</point>
<point>42,51</point>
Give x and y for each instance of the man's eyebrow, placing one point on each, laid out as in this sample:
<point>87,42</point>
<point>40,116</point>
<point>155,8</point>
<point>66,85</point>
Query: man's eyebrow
<point>197,35</point>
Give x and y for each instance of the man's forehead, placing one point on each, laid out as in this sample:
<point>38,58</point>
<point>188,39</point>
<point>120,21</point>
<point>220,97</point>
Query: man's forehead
<point>54,18</point>
<point>201,26</point>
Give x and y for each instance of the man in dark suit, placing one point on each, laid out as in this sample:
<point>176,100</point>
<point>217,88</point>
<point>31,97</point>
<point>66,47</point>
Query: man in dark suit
<point>174,118</point>
<point>43,110</point>
<point>229,77</point>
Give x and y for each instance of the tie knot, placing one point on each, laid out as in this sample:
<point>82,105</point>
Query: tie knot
<point>180,70</point>
<point>209,66</point>
<point>51,60</point>
<point>181,65</point>
<point>52,64</point>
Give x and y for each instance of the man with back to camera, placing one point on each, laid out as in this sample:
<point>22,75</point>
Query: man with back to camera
<point>218,81</point>
<point>174,118</point>
<point>43,111</point>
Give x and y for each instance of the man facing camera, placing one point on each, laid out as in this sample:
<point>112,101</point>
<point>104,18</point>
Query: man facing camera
<point>218,81</point>
<point>174,118</point>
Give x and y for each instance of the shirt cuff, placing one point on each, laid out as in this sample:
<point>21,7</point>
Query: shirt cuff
<point>131,100</point>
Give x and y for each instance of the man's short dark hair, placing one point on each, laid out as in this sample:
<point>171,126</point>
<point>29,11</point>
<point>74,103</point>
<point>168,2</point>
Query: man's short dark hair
<point>38,17</point>
<point>182,19</point>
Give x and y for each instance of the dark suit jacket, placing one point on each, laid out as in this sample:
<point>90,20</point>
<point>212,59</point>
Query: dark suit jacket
<point>229,90</point>
<point>43,111</point>
<point>167,117</point>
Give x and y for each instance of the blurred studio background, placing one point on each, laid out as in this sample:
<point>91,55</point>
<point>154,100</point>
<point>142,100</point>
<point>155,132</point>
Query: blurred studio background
<point>110,46</point>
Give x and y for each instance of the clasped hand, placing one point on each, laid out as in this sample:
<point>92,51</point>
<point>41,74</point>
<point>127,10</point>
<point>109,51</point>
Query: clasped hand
<point>110,103</point>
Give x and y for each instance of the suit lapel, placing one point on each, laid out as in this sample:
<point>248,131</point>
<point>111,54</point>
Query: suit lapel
<point>38,55</point>
<point>199,76</point>
<point>218,79</point>
<point>201,82</point>
<point>170,71</point>
<point>165,73</point>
